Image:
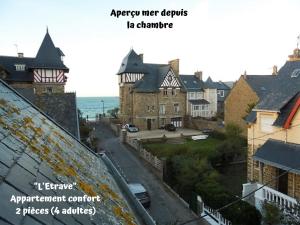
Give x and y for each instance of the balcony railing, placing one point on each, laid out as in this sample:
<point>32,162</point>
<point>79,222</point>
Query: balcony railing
<point>282,200</point>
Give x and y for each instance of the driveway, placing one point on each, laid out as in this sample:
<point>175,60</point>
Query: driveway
<point>165,208</point>
<point>159,133</point>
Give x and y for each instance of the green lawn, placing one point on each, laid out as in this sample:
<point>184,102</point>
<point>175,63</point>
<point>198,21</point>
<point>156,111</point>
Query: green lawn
<point>202,148</point>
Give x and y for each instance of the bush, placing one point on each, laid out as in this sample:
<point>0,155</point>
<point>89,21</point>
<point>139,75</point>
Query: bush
<point>215,196</point>
<point>218,135</point>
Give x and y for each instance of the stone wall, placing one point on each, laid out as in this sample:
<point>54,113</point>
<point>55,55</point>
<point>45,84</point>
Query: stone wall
<point>42,88</point>
<point>22,85</point>
<point>237,102</point>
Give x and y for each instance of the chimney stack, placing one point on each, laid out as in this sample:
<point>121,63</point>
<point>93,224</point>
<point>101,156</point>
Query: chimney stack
<point>198,74</point>
<point>20,54</point>
<point>175,66</point>
<point>142,57</point>
<point>275,72</point>
<point>245,75</point>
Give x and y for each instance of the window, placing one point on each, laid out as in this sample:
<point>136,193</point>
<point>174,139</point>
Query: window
<point>49,90</point>
<point>20,67</point>
<point>176,108</point>
<point>196,107</point>
<point>148,108</point>
<point>295,73</point>
<point>152,108</point>
<point>173,91</point>
<point>165,91</point>
<point>162,109</point>
<point>266,123</point>
<point>192,95</point>
<point>221,93</point>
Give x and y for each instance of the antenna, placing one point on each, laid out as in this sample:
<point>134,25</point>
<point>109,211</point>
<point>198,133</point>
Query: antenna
<point>16,48</point>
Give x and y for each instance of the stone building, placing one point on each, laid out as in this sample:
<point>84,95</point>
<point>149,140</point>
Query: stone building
<point>151,95</point>
<point>41,79</point>
<point>273,139</point>
<point>246,92</point>
<point>201,99</point>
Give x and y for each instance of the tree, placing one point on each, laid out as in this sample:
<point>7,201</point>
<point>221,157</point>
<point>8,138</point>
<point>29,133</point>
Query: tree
<point>291,215</point>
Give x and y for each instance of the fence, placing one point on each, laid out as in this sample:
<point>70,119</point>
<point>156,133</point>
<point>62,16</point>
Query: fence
<point>217,218</point>
<point>213,217</point>
<point>153,160</point>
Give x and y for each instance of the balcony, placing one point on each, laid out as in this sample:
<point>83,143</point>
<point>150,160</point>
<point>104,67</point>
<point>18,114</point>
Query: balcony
<point>270,195</point>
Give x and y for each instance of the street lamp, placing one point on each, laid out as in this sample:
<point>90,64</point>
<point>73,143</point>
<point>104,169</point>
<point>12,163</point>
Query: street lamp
<point>102,107</point>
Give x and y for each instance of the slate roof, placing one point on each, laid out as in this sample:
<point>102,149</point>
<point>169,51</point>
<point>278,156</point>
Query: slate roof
<point>191,83</point>
<point>260,84</point>
<point>61,107</point>
<point>199,102</point>
<point>285,111</point>
<point>48,56</point>
<point>9,62</point>
<point>279,154</point>
<point>282,89</point>
<point>33,148</point>
<point>132,63</point>
<point>251,117</point>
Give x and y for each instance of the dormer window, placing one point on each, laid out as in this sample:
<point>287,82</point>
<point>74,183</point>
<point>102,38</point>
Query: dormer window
<point>20,67</point>
<point>295,73</point>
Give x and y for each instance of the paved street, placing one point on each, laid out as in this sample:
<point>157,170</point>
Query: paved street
<point>165,208</point>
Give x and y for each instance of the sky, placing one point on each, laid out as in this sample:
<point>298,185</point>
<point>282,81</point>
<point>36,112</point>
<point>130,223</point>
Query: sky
<point>222,38</point>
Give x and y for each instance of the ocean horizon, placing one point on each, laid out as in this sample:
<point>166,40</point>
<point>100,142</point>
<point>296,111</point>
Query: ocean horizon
<point>90,106</point>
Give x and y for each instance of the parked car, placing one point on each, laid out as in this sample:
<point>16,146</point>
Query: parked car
<point>131,128</point>
<point>140,193</point>
<point>170,127</point>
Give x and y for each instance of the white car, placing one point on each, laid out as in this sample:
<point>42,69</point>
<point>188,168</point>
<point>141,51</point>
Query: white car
<point>131,128</point>
<point>140,193</point>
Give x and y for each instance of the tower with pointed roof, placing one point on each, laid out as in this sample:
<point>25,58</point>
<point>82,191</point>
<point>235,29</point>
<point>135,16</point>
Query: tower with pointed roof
<point>48,68</point>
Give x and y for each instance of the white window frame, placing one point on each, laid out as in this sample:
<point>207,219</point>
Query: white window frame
<point>162,109</point>
<point>20,67</point>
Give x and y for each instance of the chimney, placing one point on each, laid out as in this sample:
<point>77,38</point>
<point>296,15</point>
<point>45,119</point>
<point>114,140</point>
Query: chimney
<point>245,75</point>
<point>198,74</point>
<point>175,66</point>
<point>275,72</point>
<point>20,54</point>
<point>142,57</point>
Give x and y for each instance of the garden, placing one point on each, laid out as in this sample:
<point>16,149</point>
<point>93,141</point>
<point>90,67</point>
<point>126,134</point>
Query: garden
<point>205,168</point>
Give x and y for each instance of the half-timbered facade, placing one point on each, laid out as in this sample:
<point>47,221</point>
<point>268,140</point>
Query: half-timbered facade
<point>151,95</point>
<point>46,73</point>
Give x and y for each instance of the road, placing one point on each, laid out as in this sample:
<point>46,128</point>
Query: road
<point>165,208</point>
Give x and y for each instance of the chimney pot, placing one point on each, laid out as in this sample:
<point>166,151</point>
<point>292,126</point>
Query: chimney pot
<point>20,54</point>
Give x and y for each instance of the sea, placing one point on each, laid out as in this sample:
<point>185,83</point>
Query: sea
<point>90,106</point>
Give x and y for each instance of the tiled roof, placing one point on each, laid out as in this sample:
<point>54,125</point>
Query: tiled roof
<point>279,154</point>
<point>33,148</point>
<point>191,83</point>
<point>251,117</point>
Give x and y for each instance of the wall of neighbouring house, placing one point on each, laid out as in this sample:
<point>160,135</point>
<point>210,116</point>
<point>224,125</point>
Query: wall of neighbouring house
<point>257,137</point>
<point>211,96</point>
<point>42,88</point>
<point>237,102</point>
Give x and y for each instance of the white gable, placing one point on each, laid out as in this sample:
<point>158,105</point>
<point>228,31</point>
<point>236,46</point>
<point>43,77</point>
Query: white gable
<point>170,80</point>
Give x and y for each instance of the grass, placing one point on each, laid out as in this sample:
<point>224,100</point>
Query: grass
<point>203,148</point>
